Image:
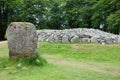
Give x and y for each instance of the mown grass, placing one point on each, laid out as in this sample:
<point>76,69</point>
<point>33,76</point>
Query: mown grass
<point>83,51</point>
<point>105,57</point>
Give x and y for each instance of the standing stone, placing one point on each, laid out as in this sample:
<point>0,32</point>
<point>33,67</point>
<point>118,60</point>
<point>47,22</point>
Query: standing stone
<point>22,40</point>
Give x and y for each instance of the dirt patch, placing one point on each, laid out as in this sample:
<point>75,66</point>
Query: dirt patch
<point>3,43</point>
<point>74,46</point>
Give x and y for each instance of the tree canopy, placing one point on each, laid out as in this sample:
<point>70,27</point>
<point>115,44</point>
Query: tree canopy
<point>61,14</point>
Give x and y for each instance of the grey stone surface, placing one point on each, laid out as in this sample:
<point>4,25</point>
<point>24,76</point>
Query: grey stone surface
<point>78,35</point>
<point>50,38</point>
<point>94,39</point>
<point>118,40</point>
<point>22,40</point>
<point>75,39</point>
<point>65,38</point>
<point>85,40</point>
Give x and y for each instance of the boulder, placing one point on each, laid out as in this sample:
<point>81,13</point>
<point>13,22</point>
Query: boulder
<point>110,40</point>
<point>75,39</point>
<point>50,38</point>
<point>22,40</point>
<point>56,38</point>
<point>118,40</point>
<point>65,39</point>
<point>94,39</point>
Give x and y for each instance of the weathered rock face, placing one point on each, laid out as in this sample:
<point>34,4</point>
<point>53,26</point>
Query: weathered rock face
<point>78,35</point>
<point>22,40</point>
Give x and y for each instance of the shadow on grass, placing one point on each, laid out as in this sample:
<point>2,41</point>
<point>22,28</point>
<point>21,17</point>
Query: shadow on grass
<point>6,63</point>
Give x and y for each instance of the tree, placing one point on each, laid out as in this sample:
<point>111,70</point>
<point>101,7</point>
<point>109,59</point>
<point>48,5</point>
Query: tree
<point>3,17</point>
<point>79,13</point>
<point>114,22</point>
<point>103,12</point>
<point>61,14</point>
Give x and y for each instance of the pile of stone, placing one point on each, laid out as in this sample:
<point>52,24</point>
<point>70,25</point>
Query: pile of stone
<point>78,35</point>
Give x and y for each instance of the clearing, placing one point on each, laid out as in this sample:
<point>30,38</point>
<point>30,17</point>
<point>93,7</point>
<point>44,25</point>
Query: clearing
<point>78,61</point>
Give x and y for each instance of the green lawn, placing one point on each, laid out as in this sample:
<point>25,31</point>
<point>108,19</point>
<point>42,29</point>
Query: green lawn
<point>78,61</point>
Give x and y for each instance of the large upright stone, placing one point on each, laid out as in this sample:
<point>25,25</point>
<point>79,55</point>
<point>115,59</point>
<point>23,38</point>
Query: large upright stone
<point>22,40</point>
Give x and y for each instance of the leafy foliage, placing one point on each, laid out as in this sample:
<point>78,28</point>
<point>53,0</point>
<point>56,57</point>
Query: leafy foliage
<point>60,14</point>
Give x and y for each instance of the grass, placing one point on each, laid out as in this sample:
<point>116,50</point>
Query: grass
<point>78,61</point>
<point>83,51</point>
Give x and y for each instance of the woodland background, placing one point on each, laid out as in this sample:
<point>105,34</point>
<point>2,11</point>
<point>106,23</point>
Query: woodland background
<point>62,14</point>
